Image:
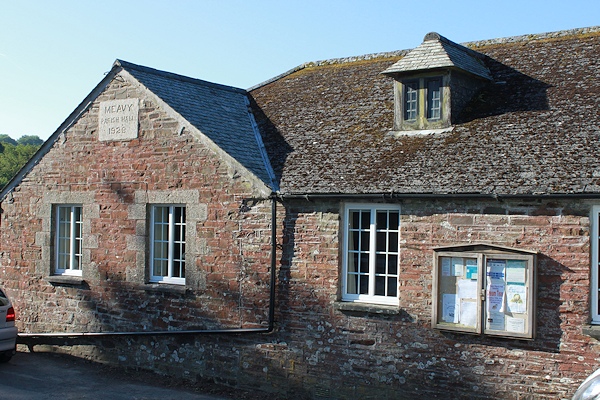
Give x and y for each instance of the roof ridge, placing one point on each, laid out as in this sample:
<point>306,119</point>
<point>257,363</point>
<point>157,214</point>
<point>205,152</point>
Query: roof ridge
<point>534,36</point>
<point>174,76</point>
<point>400,53</point>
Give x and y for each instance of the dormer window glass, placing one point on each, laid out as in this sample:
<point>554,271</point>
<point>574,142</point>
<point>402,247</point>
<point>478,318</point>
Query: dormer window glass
<point>422,103</point>
<point>434,98</point>
<point>411,100</point>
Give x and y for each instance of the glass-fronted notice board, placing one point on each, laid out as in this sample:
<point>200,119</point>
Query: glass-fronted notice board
<point>484,289</point>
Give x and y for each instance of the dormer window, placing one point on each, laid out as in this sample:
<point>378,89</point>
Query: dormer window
<point>433,83</point>
<point>430,90</point>
<point>422,103</point>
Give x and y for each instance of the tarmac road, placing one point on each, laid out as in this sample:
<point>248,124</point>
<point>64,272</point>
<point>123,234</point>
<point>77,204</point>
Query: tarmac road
<point>37,376</point>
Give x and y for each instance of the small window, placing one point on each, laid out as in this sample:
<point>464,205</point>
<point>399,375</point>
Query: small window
<point>68,240</point>
<point>422,104</point>
<point>434,99</point>
<point>167,250</point>
<point>485,291</point>
<point>371,256</point>
<point>411,101</point>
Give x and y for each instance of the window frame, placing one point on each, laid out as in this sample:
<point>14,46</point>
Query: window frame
<point>595,264</point>
<point>75,240</point>
<point>485,256</point>
<point>171,241</point>
<point>429,100</point>
<point>372,252</point>
<point>411,87</point>
<point>425,118</point>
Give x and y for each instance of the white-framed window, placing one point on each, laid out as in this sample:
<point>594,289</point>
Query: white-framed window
<point>595,267</point>
<point>371,253</point>
<point>68,240</point>
<point>167,244</point>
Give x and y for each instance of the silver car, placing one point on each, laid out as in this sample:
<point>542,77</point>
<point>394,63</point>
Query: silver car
<point>590,388</point>
<point>8,330</point>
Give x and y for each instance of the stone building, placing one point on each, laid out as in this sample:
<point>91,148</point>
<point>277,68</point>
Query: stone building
<point>397,225</point>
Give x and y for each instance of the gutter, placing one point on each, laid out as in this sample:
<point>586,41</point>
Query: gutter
<point>235,331</point>
<point>409,196</point>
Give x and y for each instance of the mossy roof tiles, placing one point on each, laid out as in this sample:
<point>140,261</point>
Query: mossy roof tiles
<point>533,130</point>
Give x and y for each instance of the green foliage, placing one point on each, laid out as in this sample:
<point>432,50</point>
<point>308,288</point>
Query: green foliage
<point>30,139</point>
<point>5,139</point>
<point>15,154</point>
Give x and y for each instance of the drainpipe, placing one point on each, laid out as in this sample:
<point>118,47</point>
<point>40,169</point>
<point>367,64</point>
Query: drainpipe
<point>235,331</point>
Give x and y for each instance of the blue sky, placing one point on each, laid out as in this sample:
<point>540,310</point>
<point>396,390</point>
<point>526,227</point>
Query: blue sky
<point>53,53</point>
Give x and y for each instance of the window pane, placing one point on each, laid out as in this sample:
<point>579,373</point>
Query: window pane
<point>382,220</point>
<point>393,242</point>
<point>381,241</point>
<point>394,220</point>
<point>380,286</point>
<point>160,267</point>
<point>380,264</point>
<point>434,99</point>
<point>352,284</point>
<point>392,265</point>
<point>354,241</point>
<point>365,217</point>
<point>365,241</point>
<point>353,262</point>
<point>364,284</point>
<point>364,263</point>
<point>392,287</point>
<point>410,100</point>
<point>354,219</point>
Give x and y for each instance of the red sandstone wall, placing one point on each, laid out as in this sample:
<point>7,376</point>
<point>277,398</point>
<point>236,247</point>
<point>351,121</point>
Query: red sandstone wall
<point>227,268</point>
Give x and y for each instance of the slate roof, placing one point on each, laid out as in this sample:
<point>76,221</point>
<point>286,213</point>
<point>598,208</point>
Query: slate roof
<point>219,112</point>
<point>438,52</point>
<point>533,130</point>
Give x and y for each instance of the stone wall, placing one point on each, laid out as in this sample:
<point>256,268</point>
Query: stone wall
<point>320,350</point>
<point>115,182</point>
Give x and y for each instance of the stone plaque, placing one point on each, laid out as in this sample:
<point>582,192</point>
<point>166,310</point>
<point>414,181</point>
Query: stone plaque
<point>118,119</point>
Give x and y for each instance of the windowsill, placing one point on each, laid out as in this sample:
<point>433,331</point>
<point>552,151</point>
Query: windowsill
<point>65,280</point>
<point>419,132</point>
<point>164,288</point>
<point>368,308</point>
<point>592,331</point>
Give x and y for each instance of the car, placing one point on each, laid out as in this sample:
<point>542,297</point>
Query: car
<point>8,330</point>
<point>590,388</point>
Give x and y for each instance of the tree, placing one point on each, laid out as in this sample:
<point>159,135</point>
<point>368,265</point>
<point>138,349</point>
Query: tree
<point>30,139</point>
<point>15,154</point>
<point>5,139</point>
